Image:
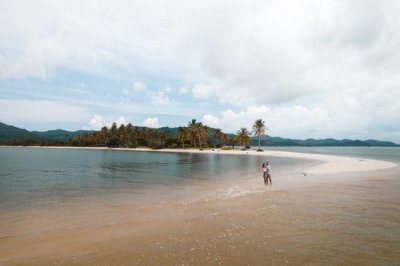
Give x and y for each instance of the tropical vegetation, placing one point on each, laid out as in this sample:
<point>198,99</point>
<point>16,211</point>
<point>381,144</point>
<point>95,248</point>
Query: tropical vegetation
<point>243,137</point>
<point>194,135</point>
<point>11,135</point>
<point>259,130</point>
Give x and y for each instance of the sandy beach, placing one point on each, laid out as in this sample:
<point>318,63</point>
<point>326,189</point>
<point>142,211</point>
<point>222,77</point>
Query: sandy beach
<point>316,224</point>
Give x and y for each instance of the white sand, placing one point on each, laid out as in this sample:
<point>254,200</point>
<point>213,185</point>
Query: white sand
<point>330,164</point>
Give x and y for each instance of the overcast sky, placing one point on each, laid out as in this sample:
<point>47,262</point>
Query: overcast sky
<point>308,68</point>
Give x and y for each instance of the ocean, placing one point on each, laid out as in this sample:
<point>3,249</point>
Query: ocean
<point>106,207</point>
<point>45,177</point>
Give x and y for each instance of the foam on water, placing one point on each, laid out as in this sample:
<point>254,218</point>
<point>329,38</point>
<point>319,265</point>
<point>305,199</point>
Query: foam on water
<point>236,191</point>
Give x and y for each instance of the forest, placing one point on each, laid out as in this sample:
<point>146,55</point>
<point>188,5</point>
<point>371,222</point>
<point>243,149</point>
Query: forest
<point>194,135</point>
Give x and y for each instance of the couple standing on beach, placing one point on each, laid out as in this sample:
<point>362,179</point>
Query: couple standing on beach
<point>266,168</point>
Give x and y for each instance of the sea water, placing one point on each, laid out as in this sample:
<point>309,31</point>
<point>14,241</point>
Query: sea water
<point>341,221</point>
<point>45,177</point>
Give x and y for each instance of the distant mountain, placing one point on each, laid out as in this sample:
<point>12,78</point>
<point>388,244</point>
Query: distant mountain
<point>16,136</point>
<point>11,135</point>
<point>277,141</point>
<point>60,134</point>
<point>171,131</point>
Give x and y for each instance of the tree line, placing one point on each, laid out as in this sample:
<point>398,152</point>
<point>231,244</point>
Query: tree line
<point>194,135</point>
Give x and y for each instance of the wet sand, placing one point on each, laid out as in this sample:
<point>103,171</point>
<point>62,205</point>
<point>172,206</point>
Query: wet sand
<point>352,218</point>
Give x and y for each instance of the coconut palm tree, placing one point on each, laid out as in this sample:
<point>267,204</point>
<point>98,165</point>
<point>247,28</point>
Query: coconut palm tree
<point>113,130</point>
<point>192,125</point>
<point>129,132</point>
<point>259,130</point>
<point>202,133</point>
<point>182,135</point>
<point>121,133</point>
<point>243,137</point>
<point>104,135</point>
<point>220,136</point>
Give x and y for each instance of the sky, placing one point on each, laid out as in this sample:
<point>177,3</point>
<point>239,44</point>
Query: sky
<point>309,69</point>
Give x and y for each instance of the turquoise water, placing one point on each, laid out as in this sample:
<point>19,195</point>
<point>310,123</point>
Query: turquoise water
<point>46,177</point>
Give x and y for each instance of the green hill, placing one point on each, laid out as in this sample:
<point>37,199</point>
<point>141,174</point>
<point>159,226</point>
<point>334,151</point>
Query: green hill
<point>10,135</point>
<point>277,141</point>
<point>60,134</point>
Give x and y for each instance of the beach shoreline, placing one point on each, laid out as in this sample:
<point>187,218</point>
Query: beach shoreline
<point>276,225</point>
<point>328,164</point>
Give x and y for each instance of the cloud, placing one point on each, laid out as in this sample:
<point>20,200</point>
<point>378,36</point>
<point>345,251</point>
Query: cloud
<point>202,91</point>
<point>340,116</point>
<point>151,122</point>
<point>139,87</point>
<point>183,90</point>
<point>160,97</point>
<point>39,111</point>
<point>323,67</point>
<point>97,122</point>
<point>287,121</point>
<point>121,121</point>
<point>211,121</point>
<point>140,93</point>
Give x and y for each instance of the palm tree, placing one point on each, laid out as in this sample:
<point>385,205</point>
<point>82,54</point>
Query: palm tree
<point>259,130</point>
<point>121,133</point>
<point>243,137</point>
<point>202,133</point>
<point>104,135</point>
<point>232,140</point>
<point>220,136</point>
<point>113,130</point>
<point>129,132</point>
<point>192,125</point>
<point>205,133</point>
<point>183,135</point>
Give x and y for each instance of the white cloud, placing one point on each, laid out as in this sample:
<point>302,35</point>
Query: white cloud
<point>340,116</point>
<point>160,97</point>
<point>183,90</point>
<point>202,91</point>
<point>140,94</point>
<point>139,87</point>
<point>121,121</point>
<point>151,122</point>
<point>97,122</point>
<point>323,67</point>
<point>211,121</point>
<point>39,111</point>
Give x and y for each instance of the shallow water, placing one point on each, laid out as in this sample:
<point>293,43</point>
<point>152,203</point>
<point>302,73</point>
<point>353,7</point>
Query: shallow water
<point>205,210</point>
<point>43,177</point>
